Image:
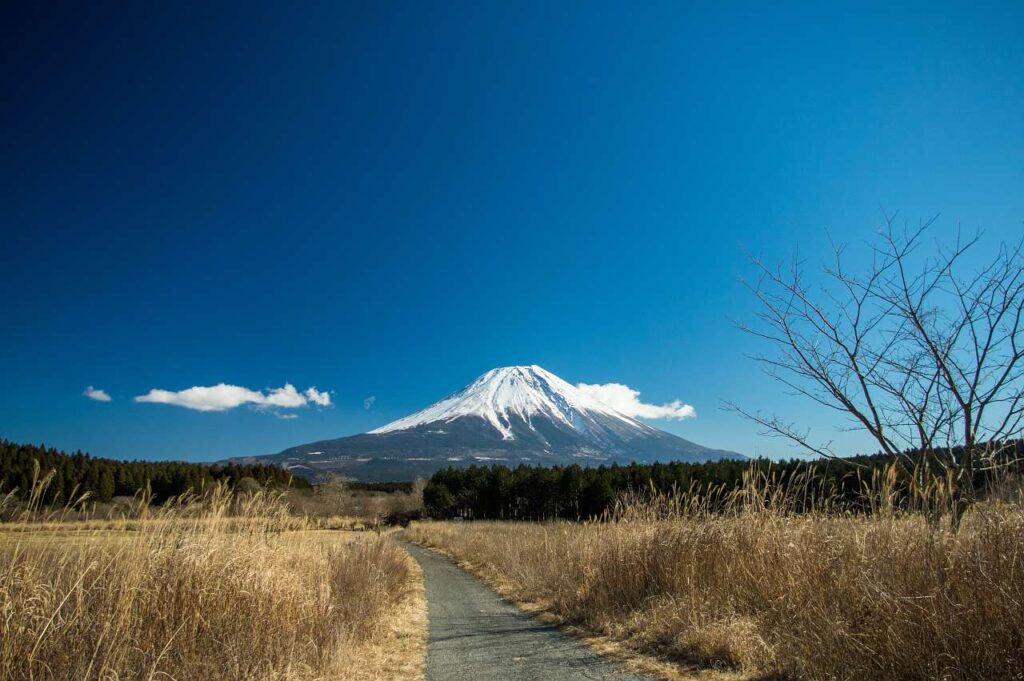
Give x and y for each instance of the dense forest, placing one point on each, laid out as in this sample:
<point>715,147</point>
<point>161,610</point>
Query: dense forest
<point>524,492</point>
<point>385,487</point>
<point>574,492</point>
<point>103,479</point>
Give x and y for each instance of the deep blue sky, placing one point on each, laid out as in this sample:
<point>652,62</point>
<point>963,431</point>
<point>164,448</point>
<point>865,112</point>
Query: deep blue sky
<point>388,199</point>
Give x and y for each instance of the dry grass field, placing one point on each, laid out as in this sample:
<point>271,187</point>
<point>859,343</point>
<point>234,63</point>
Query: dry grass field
<point>771,593</point>
<point>212,588</point>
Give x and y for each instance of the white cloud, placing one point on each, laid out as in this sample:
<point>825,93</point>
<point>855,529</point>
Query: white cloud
<point>368,402</point>
<point>287,416</point>
<point>222,397</point>
<point>625,400</point>
<point>286,397</point>
<point>218,397</point>
<point>319,398</point>
<point>96,394</point>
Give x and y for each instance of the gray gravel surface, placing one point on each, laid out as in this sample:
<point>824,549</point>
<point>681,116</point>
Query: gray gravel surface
<point>475,635</point>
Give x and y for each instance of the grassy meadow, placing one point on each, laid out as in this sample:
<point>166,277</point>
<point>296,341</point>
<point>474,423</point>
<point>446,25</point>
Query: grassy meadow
<point>894,593</point>
<point>757,582</point>
<point>213,587</point>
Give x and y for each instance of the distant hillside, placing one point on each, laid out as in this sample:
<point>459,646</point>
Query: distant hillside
<point>104,479</point>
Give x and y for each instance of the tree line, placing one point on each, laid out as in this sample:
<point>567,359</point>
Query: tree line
<point>573,492</point>
<point>103,479</point>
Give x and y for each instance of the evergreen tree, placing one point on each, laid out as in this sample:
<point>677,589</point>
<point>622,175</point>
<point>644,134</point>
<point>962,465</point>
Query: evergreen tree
<point>78,473</point>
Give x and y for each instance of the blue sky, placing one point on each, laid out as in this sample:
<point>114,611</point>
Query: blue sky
<point>387,199</point>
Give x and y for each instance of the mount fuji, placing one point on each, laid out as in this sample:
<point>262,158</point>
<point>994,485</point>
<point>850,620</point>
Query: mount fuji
<point>510,415</point>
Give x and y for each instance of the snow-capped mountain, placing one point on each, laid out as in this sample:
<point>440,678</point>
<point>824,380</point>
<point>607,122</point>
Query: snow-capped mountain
<point>511,415</point>
<point>510,398</point>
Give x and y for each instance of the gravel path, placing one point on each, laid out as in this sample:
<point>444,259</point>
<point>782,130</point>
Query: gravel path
<point>474,635</point>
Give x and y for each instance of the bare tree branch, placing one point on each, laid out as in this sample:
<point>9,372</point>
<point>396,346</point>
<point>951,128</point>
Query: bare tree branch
<point>914,352</point>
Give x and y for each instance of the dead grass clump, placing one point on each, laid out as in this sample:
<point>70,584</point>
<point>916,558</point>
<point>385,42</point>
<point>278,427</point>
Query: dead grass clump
<point>209,588</point>
<point>884,595</point>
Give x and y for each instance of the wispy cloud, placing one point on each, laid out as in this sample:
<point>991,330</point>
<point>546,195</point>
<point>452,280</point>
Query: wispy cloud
<point>96,394</point>
<point>368,402</point>
<point>222,397</point>
<point>626,400</point>
<point>319,398</point>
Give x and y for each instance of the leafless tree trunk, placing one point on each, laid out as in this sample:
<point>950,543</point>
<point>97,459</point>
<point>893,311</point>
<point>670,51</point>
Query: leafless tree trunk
<point>912,350</point>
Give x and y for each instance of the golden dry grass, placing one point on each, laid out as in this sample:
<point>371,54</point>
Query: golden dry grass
<point>217,588</point>
<point>399,649</point>
<point>765,592</point>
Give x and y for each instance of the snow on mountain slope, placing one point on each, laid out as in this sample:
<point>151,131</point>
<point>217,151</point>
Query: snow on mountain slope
<point>516,391</point>
<point>510,415</point>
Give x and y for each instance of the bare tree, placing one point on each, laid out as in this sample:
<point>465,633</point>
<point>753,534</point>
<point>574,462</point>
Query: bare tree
<point>911,350</point>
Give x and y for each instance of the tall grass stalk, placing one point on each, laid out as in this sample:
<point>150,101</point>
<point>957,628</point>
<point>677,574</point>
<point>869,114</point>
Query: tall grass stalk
<point>744,580</point>
<point>211,587</point>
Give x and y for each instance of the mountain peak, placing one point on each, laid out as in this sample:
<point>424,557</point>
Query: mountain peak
<point>515,393</point>
<point>509,415</point>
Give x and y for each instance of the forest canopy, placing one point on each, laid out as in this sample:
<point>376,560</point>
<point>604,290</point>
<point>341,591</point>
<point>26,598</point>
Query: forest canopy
<point>103,479</point>
<point>574,492</point>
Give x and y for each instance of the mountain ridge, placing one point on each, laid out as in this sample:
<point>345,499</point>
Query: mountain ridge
<point>510,415</point>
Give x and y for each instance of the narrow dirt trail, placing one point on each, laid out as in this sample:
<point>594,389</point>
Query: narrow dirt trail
<point>474,635</point>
